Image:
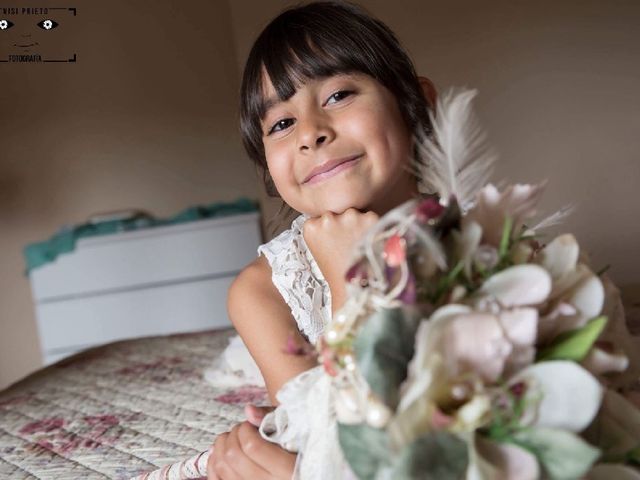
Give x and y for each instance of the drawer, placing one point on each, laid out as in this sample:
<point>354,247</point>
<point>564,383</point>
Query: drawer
<point>155,256</point>
<point>73,325</point>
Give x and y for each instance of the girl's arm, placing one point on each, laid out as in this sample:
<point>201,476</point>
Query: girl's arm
<point>264,321</point>
<point>260,314</point>
<point>262,317</point>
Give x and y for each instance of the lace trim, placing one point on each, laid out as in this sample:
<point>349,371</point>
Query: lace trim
<point>299,280</point>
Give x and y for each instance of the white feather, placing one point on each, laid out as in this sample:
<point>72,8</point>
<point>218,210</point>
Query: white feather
<point>554,218</point>
<point>457,161</point>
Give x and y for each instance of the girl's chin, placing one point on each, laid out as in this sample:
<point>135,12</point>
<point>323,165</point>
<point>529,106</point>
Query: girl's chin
<point>338,206</point>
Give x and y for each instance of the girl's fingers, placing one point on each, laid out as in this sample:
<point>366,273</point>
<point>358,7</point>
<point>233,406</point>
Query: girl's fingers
<point>244,466</point>
<point>243,454</point>
<point>217,466</point>
<point>255,414</point>
<point>272,458</point>
<point>211,468</point>
<point>211,473</point>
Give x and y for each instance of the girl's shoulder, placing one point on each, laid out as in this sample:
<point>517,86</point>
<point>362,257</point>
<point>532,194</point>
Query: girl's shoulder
<point>290,258</point>
<point>276,260</point>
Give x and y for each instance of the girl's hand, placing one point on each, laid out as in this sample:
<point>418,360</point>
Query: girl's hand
<point>242,454</point>
<point>331,238</point>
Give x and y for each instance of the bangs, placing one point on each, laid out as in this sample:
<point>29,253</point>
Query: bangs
<point>292,58</point>
<point>302,45</point>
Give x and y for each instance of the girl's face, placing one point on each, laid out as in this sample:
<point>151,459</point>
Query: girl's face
<point>339,142</point>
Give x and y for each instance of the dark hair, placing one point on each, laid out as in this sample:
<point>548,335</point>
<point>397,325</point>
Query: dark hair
<point>322,39</point>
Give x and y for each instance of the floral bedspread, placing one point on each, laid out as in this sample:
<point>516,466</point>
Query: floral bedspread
<point>119,410</point>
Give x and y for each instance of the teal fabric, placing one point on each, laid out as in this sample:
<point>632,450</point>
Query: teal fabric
<point>41,253</point>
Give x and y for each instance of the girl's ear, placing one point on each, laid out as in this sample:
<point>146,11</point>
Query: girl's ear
<point>429,91</point>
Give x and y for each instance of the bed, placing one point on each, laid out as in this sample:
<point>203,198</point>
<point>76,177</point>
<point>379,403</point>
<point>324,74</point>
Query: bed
<point>119,410</point>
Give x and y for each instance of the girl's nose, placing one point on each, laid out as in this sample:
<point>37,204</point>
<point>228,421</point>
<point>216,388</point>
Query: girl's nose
<point>313,132</point>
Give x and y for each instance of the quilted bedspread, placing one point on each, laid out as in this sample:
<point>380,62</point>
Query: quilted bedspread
<point>118,410</point>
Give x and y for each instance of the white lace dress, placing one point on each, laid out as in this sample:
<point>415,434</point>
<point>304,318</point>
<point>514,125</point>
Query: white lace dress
<point>299,280</point>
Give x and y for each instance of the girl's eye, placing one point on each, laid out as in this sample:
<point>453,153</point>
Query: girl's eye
<point>340,95</point>
<point>284,123</point>
<point>279,123</point>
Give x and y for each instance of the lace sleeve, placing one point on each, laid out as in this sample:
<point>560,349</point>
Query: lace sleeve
<point>299,280</point>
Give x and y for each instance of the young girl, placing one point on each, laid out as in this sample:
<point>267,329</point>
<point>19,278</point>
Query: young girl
<point>331,107</point>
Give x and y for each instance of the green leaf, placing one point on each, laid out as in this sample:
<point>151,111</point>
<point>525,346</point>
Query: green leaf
<point>384,346</point>
<point>445,283</point>
<point>365,448</point>
<point>562,454</point>
<point>436,456</point>
<point>506,235</point>
<point>574,345</point>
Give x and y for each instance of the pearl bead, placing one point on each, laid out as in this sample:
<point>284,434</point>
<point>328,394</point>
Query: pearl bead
<point>460,392</point>
<point>377,414</point>
<point>341,318</point>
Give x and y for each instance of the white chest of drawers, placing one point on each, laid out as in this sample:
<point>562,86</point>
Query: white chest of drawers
<point>155,281</point>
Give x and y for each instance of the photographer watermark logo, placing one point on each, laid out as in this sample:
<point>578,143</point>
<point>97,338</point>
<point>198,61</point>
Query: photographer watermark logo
<point>37,34</point>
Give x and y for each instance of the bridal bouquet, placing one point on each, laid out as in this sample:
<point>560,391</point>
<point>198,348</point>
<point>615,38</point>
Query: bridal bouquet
<point>470,346</point>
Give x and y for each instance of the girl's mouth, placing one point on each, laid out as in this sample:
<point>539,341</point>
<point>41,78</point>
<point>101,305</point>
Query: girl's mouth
<point>334,171</point>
